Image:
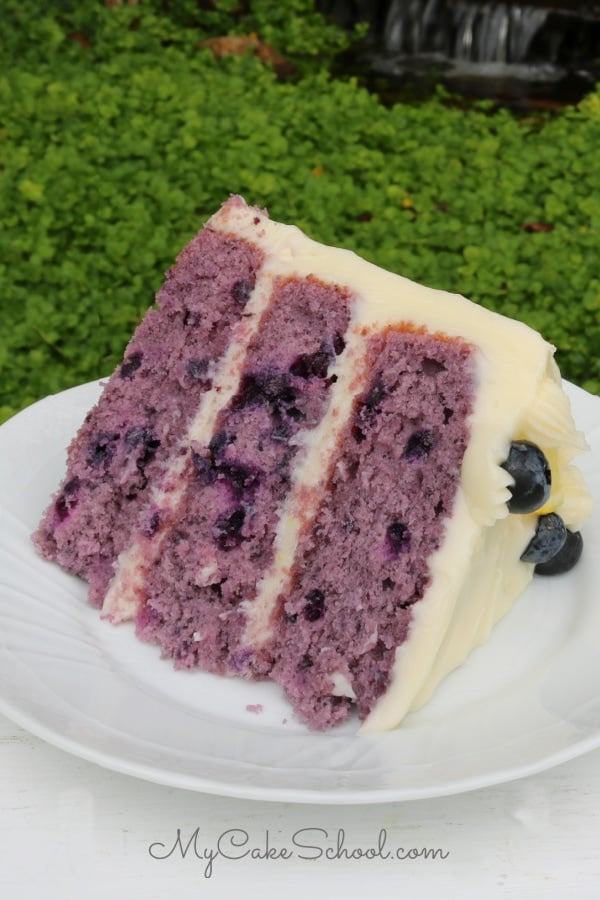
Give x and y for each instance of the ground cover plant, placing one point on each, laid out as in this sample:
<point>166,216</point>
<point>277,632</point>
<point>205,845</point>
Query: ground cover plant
<point>120,132</point>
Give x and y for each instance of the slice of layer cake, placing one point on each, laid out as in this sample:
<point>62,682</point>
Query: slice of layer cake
<point>311,470</point>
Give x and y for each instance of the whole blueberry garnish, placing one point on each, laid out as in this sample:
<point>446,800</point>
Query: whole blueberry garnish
<point>315,605</point>
<point>397,538</point>
<point>419,445</point>
<point>131,365</point>
<point>532,478</point>
<point>565,559</point>
<point>241,291</point>
<point>102,448</point>
<point>549,537</point>
<point>228,529</point>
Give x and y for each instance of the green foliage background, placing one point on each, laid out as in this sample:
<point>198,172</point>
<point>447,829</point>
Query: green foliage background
<point>119,137</point>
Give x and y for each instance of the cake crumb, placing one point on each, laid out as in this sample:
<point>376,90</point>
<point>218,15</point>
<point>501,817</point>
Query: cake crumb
<point>254,707</point>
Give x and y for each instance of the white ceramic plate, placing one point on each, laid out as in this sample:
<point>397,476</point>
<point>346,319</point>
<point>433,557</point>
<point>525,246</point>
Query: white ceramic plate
<point>527,700</point>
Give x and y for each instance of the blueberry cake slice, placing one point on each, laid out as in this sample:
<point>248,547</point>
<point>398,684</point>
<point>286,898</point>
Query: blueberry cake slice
<point>312,470</point>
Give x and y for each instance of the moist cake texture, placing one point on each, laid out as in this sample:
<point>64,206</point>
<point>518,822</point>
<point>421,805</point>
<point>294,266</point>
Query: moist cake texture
<point>303,467</point>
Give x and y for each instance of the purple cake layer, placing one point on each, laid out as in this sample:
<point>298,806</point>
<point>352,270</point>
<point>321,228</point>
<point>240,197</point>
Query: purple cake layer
<point>221,543</point>
<point>128,438</point>
<point>363,565</point>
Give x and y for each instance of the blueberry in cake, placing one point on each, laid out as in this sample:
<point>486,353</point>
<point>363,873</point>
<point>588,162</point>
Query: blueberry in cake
<point>312,470</point>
